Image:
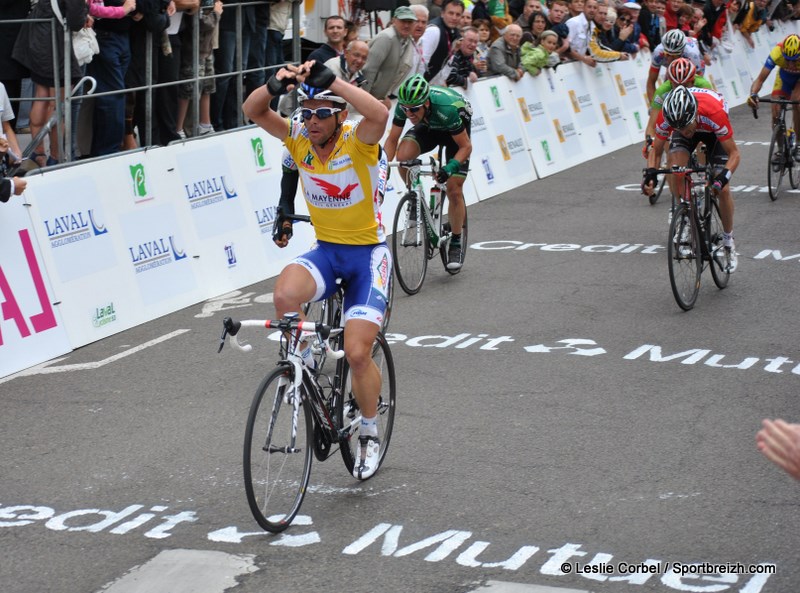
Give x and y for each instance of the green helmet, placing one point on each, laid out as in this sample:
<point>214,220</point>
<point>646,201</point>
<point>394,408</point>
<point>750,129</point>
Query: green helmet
<point>414,91</point>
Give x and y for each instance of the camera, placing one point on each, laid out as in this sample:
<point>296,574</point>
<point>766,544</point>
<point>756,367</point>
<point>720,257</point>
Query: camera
<point>206,4</point>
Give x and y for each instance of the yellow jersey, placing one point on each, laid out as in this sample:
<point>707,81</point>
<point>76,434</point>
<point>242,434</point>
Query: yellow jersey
<point>341,193</point>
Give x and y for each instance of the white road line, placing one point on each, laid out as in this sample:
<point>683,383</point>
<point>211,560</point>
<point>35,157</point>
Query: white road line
<point>45,369</point>
<point>505,587</point>
<point>185,571</point>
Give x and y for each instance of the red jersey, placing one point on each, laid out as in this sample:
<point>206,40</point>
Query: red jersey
<point>712,116</point>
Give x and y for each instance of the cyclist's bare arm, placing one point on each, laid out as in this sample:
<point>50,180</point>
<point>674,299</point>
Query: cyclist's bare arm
<point>257,107</point>
<point>734,156</point>
<point>373,125</point>
<point>390,146</point>
<point>759,81</point>
<point>464,146</point>
<point>654,158</point>
<point>650,86</point>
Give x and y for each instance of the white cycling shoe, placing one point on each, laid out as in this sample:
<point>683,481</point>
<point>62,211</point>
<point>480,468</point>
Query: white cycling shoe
<point>366,464</point>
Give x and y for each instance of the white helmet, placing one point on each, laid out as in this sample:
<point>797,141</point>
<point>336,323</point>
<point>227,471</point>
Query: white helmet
<point>673,42</point>
<point>679,108</point>
<point>305,92</point>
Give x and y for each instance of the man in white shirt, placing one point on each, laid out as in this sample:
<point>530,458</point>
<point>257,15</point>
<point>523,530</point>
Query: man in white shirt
<point>580,32</point>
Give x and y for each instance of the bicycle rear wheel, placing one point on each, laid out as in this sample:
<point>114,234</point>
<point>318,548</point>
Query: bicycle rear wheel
<point>445,229</point>
<point>775,172</point>
<point>277,451</point>
<point>793,166</point>
<point>685,264</point>
<point>348,415</point>
<point>719,271</point>
<point>410,244</point>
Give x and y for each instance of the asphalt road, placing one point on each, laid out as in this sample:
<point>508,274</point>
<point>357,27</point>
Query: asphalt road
<point>556,409</point>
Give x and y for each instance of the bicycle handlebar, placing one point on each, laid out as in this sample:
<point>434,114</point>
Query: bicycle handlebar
<point>678,170</point>
<point>230,328</point>
<point>776,101</point>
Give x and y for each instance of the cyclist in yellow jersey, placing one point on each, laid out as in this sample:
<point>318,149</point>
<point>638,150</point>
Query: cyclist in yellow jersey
<point>338,164</point>
<point>785,55</point>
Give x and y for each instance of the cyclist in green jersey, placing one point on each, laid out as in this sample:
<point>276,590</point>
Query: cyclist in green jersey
<point>440,117</point>
<point>680,72</point>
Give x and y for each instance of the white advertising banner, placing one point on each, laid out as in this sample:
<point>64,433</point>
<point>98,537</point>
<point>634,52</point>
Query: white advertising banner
<point>31,327</point>
<point>500,157</point>
<point>582,87</point>
<point>538,99</point>
<point>625,82</point>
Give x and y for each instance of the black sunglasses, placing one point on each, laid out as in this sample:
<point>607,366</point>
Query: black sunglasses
<point>408,109</point>
<point>320,112</point>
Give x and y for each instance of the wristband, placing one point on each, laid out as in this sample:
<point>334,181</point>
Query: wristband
<point>276,87</point>
<point>452,166</point>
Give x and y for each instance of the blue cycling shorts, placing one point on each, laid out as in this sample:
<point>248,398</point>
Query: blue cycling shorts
<point>365,271</point>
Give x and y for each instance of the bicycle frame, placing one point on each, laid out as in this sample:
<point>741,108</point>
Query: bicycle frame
<point>429,209</point>
<point>781,146</point>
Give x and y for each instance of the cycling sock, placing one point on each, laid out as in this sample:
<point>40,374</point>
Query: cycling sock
<point>455,239</point>
<point>369,426</point>
<point>727,239</point>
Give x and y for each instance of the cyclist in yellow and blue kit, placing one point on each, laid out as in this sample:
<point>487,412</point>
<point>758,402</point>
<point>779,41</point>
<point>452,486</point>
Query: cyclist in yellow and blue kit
<point>785,55</point>
<point>338,161</point>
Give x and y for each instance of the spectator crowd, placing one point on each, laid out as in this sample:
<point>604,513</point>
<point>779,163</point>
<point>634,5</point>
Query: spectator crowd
<point>451,42</point>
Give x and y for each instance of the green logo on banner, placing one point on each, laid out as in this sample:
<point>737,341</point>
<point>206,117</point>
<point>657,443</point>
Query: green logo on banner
<point>137,175</point>
<point>258,151</point>
<point>546,148</point>
<point>496,96</point>
<point>638,119</point>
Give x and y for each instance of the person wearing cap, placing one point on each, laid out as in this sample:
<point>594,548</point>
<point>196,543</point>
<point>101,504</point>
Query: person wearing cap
<point>535,57</point>
<point>390,56</point>
<point>339,164</point>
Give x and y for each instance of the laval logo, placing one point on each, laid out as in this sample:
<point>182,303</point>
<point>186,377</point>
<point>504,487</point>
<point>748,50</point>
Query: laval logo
<point>73,227</point>
<point>155,253</point>
<point>265,218</point>
<point>104,315</point>
<point>211,190</point>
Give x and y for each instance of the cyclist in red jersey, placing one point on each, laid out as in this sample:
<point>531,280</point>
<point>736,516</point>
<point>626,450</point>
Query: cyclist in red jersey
<point>692,116</point>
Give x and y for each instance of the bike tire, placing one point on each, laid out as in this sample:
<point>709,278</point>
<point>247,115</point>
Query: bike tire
<point>276,480</point>
<point>774,178</point>
<point>445,228</point>
<point>719,271</point>
<point>410,244</point>
<point>685,263</point>
<point>348,416</point>
<point>794,171</point>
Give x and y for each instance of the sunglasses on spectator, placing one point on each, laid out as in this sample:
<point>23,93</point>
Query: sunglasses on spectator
<point>320,112</point>
<point>624,20</point>
<point>409,109</point>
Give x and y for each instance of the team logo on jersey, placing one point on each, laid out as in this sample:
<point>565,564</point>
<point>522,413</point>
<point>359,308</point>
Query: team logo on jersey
<point>307,160</point>
<point>383,272</point>
<point>334,191</point>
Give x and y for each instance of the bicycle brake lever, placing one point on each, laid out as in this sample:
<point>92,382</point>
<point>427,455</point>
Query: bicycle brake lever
<point>222,339</point>
<point>229,326</point>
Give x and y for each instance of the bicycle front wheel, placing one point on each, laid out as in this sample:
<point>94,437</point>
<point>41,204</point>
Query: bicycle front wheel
<point>410,244</point>
<point>685,263</point>
<point>776,166</point>
<point>348,415</point>
<point>277,450</point>
<point>719,269</point>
